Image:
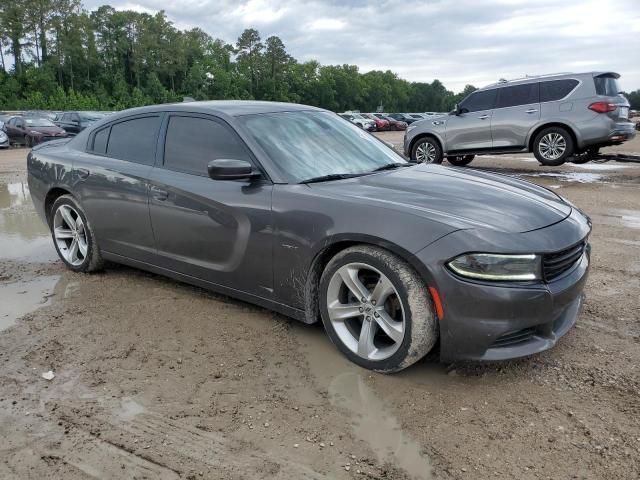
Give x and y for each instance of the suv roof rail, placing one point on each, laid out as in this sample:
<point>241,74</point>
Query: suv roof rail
<point>527,76</point>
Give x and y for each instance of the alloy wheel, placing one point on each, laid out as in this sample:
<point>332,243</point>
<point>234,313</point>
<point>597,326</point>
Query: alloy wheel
<point>426,152</point>
<point>365,311</point>
<point>552,146</point>
<point>70,235</point>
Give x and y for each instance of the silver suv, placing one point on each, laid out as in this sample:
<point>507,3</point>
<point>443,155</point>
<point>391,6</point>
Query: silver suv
<point>554,116</point>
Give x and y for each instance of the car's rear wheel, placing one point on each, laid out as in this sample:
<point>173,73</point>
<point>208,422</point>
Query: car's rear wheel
<point>73,236</point>
<point>426,150</point>
<point>461,160</point>
<point>553,146</point>
<point>376,309</point>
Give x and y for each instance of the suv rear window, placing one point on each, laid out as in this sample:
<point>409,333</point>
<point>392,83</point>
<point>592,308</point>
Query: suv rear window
<point>518,95</point>
<point>606,85</point>
<point>556,89</point>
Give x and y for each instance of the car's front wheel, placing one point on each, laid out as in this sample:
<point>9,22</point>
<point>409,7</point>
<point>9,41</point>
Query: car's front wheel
<point>461,160</point>
<point>553,146</point>
<point>426,150</point>
<point>73,236</point>
<point>376,309</point>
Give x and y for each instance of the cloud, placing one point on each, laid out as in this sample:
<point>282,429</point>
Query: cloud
<point>459,43</point>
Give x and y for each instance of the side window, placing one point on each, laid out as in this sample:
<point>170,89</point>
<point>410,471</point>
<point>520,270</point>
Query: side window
<point>192,142</point>
<point>100,141</point>
<point>556,89</point>
<point>65,117</point>
<point>75,117</point>
<point>134,140</point>
<point>518,95</point>
<point>478,101</point>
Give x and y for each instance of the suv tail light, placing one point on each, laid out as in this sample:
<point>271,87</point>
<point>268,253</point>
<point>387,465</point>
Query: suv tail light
<point>602,107</point>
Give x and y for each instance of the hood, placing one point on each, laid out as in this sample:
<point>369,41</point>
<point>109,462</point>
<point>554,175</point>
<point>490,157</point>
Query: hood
<point>47,130</point>
<point>461,198</point>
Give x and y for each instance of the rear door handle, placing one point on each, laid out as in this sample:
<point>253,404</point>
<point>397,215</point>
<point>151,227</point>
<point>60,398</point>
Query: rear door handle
<point>533,110</point>
<point>82,173</point>
<point>483,117</point>
<point>159,194</point>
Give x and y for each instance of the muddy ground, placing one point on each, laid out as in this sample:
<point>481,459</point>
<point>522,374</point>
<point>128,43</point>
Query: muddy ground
<point>156,379</point>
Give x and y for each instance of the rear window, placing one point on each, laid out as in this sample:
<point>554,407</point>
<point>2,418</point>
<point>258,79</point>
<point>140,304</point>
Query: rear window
<point>556,89</point>
<point>518,95</point>
<point>606,85</point>
<point>134,140</point>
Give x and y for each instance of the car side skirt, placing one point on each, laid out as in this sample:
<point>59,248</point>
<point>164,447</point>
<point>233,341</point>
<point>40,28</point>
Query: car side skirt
<point>286,310</point>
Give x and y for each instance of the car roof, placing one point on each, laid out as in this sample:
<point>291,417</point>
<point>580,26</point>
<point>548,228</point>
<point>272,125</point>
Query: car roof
<point>233,108</point>
<point>550,76</point>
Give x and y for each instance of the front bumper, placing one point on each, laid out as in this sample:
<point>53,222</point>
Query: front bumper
<point>485,321</point>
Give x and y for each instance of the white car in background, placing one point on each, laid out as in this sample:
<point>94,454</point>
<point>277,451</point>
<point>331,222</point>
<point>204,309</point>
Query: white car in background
<point>359,120</point>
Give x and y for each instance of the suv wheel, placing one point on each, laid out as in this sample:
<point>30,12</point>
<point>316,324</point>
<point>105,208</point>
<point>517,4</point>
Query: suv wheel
<point>376,309</point>
<point>553,146</point>
<point>73,236</point>
<point>426,150</point>
<point>460,160</point>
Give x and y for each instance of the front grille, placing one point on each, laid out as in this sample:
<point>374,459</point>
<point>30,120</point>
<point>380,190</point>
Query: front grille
<point>514,338</point>
<point>555,264</point>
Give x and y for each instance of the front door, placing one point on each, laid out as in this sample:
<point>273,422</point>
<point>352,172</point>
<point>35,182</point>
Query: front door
<point>216,230</point>
<point>470,129</point>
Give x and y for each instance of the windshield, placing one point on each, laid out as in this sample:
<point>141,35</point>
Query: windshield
<point>90,116</point>
<point>305,145</point>
<point>38,122</point>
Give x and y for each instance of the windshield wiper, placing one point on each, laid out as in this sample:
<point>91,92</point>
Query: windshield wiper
<point>331,176</point>
<point>390,166</point>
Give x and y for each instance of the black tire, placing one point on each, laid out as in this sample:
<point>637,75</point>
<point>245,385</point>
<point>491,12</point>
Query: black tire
<point>586,156</point>
<point>93,260</point>
<point>461,160</point>
<point>428,143</point>
<point>568,142</point>
<point>420,324</point>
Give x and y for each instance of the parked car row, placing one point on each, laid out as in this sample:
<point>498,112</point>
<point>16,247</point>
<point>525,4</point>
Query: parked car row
<point>386,121</point>
<point>34,127</point>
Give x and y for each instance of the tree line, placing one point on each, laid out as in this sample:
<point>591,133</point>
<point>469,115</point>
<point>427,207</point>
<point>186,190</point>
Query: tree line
<point>65,57</point>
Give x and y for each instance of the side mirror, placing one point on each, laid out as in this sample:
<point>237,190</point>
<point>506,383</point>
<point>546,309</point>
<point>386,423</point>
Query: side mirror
<point>229,169</point>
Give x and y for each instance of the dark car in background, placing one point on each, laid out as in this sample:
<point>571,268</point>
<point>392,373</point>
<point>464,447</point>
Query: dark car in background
<point>74,122</point>
<point>29,131</point>
<point>394,124</point>
<point>404,117</point>
<point>291,208</point>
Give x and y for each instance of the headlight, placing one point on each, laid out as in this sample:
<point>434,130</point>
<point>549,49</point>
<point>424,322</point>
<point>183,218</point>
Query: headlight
<point>491,266</point>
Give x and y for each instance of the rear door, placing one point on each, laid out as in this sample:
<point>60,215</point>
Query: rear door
<point>517,112</point>
<point>112,179</point>
<point>14,130</point>
<point>216,230</point>
<point>471,128</point>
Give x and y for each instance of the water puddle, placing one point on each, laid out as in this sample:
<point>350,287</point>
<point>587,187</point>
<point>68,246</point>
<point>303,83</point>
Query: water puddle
<point>619,218</point>
<point>348,389</point>
<point>23,236</point>
<point>577,177</point>
<point>19,298</point>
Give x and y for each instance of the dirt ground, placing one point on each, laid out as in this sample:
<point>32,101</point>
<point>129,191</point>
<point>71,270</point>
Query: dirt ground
<point>156,379</point>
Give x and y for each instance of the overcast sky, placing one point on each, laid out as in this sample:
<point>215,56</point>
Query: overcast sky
<point>455,41</point>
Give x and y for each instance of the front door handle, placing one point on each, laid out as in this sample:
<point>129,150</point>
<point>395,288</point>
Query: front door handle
<point>159,194</point>
<point>483,117</point>
<point>533,110</point>
<point>82,173</point>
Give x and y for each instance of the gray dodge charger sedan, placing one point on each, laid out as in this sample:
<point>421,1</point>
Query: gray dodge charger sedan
<point>295,209</point>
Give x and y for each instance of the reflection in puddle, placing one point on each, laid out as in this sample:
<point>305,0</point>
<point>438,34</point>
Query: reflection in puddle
<point>23,236</point>
<point>619,218</point>
<point>579,177</point>
<point>19,298</point>
<point>347,388</point>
